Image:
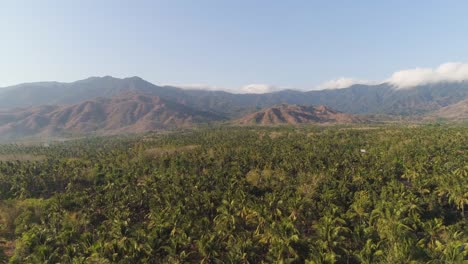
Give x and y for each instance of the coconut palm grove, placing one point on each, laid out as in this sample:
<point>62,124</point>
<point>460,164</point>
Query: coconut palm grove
<point>304,194</point>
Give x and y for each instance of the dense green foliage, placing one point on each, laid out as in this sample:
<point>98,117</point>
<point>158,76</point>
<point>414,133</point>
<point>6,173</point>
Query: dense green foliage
<point>240,195</point>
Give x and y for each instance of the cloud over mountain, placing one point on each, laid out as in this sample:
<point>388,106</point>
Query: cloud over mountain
<point>446,72</point>
<point>197,86</point>
<point>246,89</point>
<point>342,83</point>
<point>259,88</point>
<point>407,78</point>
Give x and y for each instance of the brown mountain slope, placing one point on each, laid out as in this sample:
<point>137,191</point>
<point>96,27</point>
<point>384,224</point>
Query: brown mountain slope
<point>124,113</point>
<point>456,112</point>
<point>297,114</point>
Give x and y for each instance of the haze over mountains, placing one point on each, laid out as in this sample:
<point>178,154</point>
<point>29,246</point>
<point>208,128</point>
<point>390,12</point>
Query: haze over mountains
<point>113,105</point>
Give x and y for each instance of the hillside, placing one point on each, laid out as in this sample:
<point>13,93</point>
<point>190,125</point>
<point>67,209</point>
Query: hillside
<point>296,114</point>
<point>125,113</point>
<point>455,112</point>
<point>360,99</point>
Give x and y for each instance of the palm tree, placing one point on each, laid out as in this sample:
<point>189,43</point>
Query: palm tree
<point>329,238</point>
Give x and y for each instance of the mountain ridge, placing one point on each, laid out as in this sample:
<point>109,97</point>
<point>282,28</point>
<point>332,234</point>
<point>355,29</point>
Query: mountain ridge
<point>357,99</point>
<point>283,114</point>
<point>125,113</point>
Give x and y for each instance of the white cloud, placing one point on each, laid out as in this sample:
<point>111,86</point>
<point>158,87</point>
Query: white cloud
<point>342,83</point>
<point>258,88</point>
<point>447,72</point>
<point>199,87</point>
<point>250,88</point>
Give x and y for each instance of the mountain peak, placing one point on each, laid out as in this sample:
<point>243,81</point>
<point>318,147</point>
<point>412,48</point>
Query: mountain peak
<point>135,78</point>
<point>111,78</point>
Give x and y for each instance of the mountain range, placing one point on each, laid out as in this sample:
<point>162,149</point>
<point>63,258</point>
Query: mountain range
<point>111,105</point>
<point>126,113</point>
<point>358,99</point>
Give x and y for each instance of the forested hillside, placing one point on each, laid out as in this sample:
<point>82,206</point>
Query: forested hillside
<point>343,194</point>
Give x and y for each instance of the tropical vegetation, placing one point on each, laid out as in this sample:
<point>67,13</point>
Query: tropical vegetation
<point>339,194</point>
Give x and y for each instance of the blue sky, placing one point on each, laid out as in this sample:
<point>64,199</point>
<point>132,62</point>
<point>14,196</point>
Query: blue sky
<point>227,44</point>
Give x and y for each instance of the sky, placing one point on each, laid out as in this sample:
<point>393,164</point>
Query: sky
<point>249,45</point>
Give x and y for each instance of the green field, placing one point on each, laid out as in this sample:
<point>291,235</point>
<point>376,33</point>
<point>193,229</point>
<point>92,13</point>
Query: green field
<point>378,194</point>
